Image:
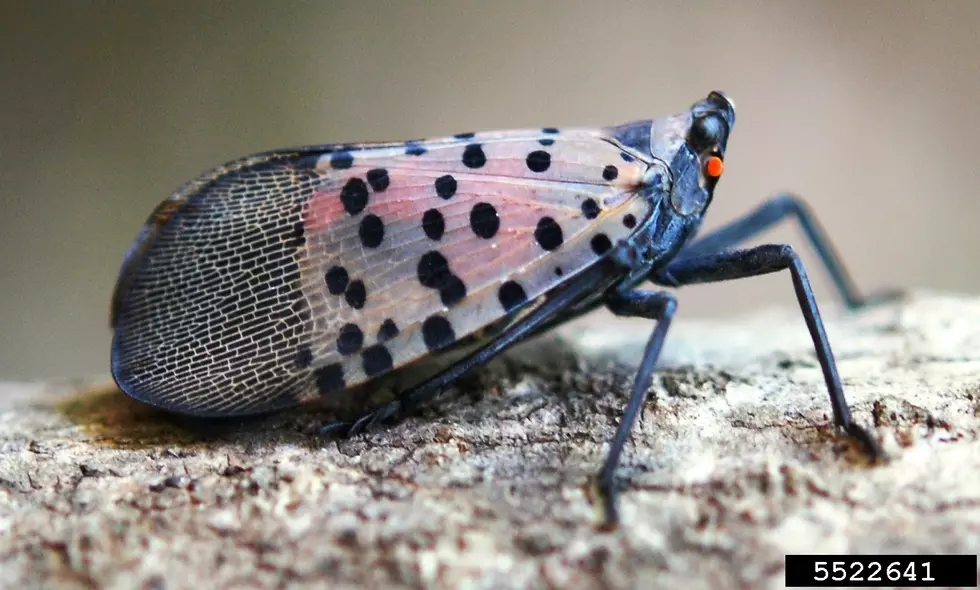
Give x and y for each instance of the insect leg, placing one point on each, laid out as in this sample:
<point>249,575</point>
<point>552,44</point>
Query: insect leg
<point>771,212</point>
<point>652,305</point>
<point>765,259</point>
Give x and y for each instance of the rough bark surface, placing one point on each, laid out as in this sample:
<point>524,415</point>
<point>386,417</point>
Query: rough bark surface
<point>732,465</point>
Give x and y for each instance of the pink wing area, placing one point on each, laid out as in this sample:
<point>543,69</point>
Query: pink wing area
<point>296,274</point>
<point>443,247</point>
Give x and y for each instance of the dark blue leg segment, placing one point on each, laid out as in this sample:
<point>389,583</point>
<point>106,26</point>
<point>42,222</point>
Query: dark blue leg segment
<point>651,305</point>
<point>767,215</point>
<point>765,259</point>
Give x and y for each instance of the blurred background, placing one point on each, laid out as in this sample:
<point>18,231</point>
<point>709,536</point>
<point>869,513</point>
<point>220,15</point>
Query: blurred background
<point>868,109</point>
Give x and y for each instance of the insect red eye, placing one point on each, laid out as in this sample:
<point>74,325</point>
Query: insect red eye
<point>714,167</point>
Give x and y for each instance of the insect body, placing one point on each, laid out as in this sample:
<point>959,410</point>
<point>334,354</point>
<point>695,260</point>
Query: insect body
<point>308,272</point>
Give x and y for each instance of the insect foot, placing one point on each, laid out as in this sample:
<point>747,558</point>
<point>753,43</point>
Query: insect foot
<point>868,443</point>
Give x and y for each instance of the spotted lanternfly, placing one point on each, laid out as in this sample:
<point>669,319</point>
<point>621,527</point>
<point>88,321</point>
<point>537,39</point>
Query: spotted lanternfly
<point>303,273</point>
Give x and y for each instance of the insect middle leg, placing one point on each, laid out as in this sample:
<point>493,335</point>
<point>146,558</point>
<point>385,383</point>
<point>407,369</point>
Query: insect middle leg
<point>653,305</point>
<point>765,259</point>
<point>771,212</point>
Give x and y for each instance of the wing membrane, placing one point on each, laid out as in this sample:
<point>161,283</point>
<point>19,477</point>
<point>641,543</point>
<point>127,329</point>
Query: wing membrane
<point>303,272</point>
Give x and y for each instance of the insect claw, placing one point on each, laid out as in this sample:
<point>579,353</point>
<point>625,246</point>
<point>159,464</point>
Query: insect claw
<point>362,424</point>
<point>868,443</point>
<point>610,519</point>
<point>600,491</point>
<point>333,428</point>
<point>381,414</point>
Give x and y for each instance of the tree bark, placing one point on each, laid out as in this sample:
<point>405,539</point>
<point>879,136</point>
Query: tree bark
<point>733,464</point>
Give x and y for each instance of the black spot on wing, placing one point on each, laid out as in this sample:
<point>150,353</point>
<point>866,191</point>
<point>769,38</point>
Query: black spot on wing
<point>473,156</point>
<point>433,224</point>
<point>433,270</point>
<point>378,179</point>
<point>511,296</point>
<point>546,141</point>
<point>341,160</point>
<point>548,233</point>
<point>590,208</point>
<point>446,186</point>
<point>388,330</point>
<point>350,339</point>
<point>354,196</point>
<point>336,278</point>
<point>376,360</point>
<point>356,294</point>
<point>414,149</point>
<point>484,220</point>
<point>538,161</point>
<point>437,332</point>
<point>330,379</point>
<point>600,244</point>
<point>452,292</point>
<point>371,231</point>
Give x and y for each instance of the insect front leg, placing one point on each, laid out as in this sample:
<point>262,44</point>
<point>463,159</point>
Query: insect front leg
<point>652,305</point>
<point>771,212</point>
<point>765,259</point>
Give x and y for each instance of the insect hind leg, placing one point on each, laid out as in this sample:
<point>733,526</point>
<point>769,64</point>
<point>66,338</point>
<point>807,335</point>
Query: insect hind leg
<point>766,259</point>
<point>773,211</point>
